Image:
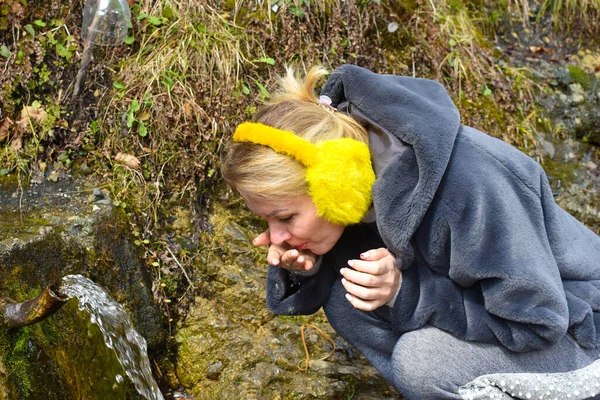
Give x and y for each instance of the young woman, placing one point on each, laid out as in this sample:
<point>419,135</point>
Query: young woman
<point>437,251</point>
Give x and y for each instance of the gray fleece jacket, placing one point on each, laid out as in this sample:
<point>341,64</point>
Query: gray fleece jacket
<point>485,252</point>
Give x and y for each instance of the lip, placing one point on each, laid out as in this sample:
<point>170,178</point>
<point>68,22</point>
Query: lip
<point>303,246</point>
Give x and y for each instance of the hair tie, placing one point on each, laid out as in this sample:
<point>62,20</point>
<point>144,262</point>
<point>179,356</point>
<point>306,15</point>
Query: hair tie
<point>325,102</point>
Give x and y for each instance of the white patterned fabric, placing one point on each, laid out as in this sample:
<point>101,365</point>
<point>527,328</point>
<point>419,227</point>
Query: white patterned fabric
<point>580,384</point>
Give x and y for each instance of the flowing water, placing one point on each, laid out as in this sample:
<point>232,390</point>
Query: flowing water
<point>117,329</point>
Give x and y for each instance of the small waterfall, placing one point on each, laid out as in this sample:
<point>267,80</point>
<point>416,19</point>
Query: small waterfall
<point>117,329</point>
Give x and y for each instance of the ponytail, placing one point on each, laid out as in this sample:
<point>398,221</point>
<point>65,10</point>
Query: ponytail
<point>260,173</point>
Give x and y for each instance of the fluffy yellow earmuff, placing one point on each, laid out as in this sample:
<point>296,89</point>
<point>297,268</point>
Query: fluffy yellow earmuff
<point>338,172</point>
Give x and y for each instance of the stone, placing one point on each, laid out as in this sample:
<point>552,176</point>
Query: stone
<point>43,237</point>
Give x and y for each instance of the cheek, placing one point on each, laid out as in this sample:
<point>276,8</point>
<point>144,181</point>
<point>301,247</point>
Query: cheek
<point>330,233</point>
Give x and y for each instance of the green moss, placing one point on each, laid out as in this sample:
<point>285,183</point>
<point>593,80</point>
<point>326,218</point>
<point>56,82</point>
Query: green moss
<point>17,361</point>
<point>565,172</point>
<point>580,76</point>
<point>9,183</point>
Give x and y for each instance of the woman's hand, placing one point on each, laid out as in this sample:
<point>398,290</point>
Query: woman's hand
<point>373,281</point>
<point>284,256</point>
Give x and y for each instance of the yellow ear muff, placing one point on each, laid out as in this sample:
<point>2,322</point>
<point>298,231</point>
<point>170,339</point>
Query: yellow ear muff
<point>338,172</point>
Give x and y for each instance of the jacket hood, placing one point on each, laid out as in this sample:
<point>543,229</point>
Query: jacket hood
<point>412,125</point>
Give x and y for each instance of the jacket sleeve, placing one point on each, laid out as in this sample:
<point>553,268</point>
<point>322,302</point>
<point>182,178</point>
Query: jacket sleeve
<point>502,283</point>
<point>294,294</point>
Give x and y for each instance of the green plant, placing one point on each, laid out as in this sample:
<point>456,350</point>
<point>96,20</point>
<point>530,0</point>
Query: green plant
<point>565,13</point>
<point>134,116</point>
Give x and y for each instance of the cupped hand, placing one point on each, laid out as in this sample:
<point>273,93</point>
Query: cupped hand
<point>373,280</point>
<point>285,256</point>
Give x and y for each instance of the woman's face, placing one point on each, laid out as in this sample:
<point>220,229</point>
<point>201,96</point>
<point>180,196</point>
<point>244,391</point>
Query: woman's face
<point>294,221</point>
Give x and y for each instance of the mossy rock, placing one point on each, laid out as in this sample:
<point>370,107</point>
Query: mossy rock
<point>230,346</point>
<point>578,75</point>
<point>49,237</point>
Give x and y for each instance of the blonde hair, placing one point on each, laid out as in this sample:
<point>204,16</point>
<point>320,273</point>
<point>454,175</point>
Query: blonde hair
<point>258,172</point>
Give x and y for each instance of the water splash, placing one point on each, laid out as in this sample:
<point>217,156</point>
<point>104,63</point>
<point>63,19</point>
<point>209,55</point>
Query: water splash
<point>117,329</point>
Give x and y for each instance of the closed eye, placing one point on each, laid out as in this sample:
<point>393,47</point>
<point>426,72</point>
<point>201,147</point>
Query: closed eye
<point>286,219</point>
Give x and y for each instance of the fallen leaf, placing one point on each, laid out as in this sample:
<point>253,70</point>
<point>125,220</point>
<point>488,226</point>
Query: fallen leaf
<point>540,49</point>
<point>128,160</point>
<point>4,124</point>
<point>30,114</point>
<point>36,114</point>
<point>54,176</point>
<point>145,116</point>
<point>187,110</point>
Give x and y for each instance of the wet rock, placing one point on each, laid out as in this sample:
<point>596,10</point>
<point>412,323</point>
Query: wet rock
<point>47,232</point>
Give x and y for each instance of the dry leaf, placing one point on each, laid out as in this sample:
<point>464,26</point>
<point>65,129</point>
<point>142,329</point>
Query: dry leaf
<point>187,110</point>
<point>128,160</point>
<point>54,176</point>
<point>149,150</point>
<point>28,113</point>
<point>36,114</point>
<point>540,49</point>
<point>4,124</point>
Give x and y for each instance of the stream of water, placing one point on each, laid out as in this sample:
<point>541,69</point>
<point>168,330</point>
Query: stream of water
<point>117,329</point>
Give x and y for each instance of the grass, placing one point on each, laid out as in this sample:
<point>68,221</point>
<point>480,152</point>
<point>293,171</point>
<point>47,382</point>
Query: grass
<point>567,13</point>
<point>175,90</point>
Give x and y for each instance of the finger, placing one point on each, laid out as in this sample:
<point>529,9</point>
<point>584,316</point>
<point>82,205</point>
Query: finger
<point>362,278</point>
<point>293,260</point>
<point>372,267</point>
<point>274,255</point>
<point>308,264</point>
<point>302,261</point>
<point>264,239</point>
<point>364,305</point>
<point>362,292</point>
<point>290,257</point>
<point>375,254</point>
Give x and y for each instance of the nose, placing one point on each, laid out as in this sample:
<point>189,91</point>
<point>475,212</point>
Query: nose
<point>279,233</point>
